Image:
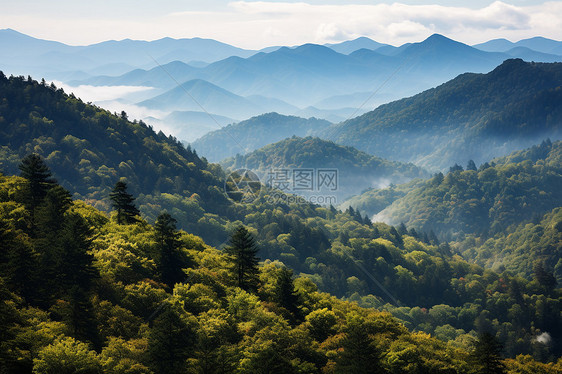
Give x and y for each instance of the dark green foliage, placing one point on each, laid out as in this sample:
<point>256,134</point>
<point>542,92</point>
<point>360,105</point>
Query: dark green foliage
<point>243,250</point>
<point>39,180</point>
<point>360,353</point>
<point>10,323</point>
<point>545,278</point>
<point>123,203</point>
<point>171,342</point>
<point>172,260</point>
<point>286,295</point>
<point>486,356</point>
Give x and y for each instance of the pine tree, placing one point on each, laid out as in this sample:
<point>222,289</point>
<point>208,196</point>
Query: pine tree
<point>123,202</point>
<point>172,260</point>
<point>360,354</point>
<point>243,250</point>
<point>486,356</point>
<point>545,278</point>
<point>39,182</point>
<point>286,295</point>
<point>471,165</point>
<point>170,343</point>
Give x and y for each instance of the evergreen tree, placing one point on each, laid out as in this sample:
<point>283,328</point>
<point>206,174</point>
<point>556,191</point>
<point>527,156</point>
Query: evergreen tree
<point>360,353</point>
<point>172,260</point>
<point>545,278</point>
<point>243,250</point>
<point>170,343</point>
<point>123,202</point>
<point>75,264</point>
<point>286,295</point>
<point>39,182</point>
<point>486,356</point>
<point>80,316</point>
<point>471,165</point>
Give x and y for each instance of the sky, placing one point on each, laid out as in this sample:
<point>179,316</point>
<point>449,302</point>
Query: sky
<point>258,24</point>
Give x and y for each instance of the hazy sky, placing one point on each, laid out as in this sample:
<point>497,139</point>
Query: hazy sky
<point>256,24</point>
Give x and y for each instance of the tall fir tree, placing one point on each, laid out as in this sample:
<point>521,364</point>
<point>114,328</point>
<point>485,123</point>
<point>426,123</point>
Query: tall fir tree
<point>123,203</point>
<point>243,250</point>
<point>171,342</point>
<point>286,294</point>
<point>360,353</point>
<point>172,260</point>
<point>486,356</point>
<point>39,182</point>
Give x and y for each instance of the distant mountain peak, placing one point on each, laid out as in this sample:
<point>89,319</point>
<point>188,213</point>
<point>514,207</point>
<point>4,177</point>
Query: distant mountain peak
<point>438,38</point>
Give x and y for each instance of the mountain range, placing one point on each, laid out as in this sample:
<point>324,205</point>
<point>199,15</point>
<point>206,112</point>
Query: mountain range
<point>333,82</point>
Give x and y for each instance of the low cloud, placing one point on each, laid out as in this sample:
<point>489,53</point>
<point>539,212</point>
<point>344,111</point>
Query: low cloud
<point>544,338</point>
<point>102,93</point>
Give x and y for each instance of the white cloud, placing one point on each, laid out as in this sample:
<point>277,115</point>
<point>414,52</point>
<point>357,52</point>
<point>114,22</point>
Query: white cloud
<point>544,338</point>
<point>256,24</point>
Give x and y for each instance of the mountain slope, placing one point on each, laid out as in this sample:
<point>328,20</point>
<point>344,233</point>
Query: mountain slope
<point>254,133</point>
<point>474,116</point>
<point>356,170</point>
<point>88,146</point>
<point>486,201</point>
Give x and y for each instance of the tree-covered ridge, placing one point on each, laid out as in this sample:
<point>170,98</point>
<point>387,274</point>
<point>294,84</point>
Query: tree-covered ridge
<point>254,133</point>
<point>474,116</point>
<point>89,149</point>
<point>356,170</point>
<point>520,247</point>
<point>110,309</point>
<point>486,201</point>
<point>373,200</point>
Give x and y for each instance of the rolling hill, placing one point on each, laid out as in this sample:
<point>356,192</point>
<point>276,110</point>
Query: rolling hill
<point>356,170</point>
<point>254,133</point>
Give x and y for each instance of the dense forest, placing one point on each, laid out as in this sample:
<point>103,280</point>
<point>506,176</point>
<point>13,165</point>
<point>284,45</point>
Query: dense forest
<point>115,270</point>
<point>356,170</point>
<point>474,116</point>
<point>86,292</point>
<point>509,205</point>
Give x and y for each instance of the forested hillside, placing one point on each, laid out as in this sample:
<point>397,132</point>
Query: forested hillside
<point>474,116</point>
<point>486,201</point>
<point>83,293</point>
<point>356,170</point>
<point>89,149</point>
<point>407,272</point>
